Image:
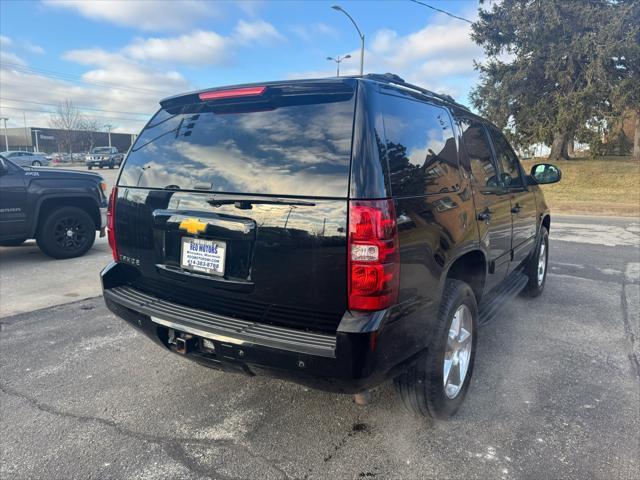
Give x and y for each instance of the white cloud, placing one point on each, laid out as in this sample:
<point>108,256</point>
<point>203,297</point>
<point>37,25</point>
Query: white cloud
<point>113,88</point>
<point>24,46</point>
<point>8,57</point>
<point>250,7</point>
<point>257,31</point>
<point>444,41</point>
<point>130,79</point>
<point>93,56</point>
<point>197,48</point>
<point>33,48</point>
<point>149,15</point>
<point>310,32</point>
<point>439,57</point>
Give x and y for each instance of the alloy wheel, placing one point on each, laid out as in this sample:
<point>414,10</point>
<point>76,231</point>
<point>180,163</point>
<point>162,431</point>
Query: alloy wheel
<point>458,351</point>
<point>542,262</point>
<point>70,234</point>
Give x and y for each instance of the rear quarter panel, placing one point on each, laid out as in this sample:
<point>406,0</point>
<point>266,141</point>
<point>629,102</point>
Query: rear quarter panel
<point>435,216</point>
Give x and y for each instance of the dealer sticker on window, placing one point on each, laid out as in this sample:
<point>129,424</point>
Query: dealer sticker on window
<point>206,256</point>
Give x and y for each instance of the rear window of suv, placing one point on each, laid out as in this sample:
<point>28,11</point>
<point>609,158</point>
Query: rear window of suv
<point>294,148</point>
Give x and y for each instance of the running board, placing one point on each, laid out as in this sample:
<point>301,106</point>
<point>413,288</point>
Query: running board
<point>492,303</point>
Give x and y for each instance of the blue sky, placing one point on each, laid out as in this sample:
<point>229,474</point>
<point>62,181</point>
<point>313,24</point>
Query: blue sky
<point>116,59</point>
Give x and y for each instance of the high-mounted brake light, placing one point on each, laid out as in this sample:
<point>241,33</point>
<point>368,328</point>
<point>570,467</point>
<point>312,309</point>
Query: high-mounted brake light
<point>111,223</point>
<point>236,92</point>
<point>374,259</point>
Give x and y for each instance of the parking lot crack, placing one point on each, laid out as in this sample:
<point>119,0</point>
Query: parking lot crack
<point>628,330</point>
<point>356,428</point>
<point>174,447</point>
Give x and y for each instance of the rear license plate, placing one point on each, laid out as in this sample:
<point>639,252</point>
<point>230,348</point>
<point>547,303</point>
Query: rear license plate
<point>206,256</point>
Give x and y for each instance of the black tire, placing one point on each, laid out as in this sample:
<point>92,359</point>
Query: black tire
<point>535,286</point>
<point>90,167</point>
<point>111,165</point>
<point>36,163</point>
<point>422,387</point>
<point>53,238</point>
<point>13,243</point>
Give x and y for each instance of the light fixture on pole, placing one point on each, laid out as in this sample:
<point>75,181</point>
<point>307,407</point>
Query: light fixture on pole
<point>6,138</point>
<point>338,59</point>
<point>340,9</point>
<point>36,135</point>
<point>109,127</point>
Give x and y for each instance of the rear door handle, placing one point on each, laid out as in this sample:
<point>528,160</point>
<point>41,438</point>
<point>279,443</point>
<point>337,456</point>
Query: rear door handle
<point>516,209</point>
<point>485,215</point>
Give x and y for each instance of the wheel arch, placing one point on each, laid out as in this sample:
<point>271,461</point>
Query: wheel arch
<point>471,268</point>
<point>51,203</point>
<point>546,221</point>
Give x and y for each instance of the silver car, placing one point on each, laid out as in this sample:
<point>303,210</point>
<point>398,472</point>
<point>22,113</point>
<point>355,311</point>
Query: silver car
<point>26,159</point>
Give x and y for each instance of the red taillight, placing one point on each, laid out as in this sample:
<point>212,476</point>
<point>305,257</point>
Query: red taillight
<point>111,223</point>
<point>236,92</point>
<point>374,259</point>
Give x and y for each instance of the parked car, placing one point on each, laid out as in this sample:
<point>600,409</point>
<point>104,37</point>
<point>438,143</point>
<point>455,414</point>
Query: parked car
<point>61,209</point>
<point>26,159</point>
<point>104,157</point>
<point>335,232</point>
<point>58,158</point>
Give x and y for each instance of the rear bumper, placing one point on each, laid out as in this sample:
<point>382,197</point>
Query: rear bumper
<point>357,357</point>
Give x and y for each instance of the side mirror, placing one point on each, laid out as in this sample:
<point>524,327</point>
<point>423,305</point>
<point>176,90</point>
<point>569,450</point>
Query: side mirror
<point>544,173</point>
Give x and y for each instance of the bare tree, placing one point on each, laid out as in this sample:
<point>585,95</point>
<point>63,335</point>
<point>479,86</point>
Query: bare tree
<point>68,120</point>
<point>89,129</point>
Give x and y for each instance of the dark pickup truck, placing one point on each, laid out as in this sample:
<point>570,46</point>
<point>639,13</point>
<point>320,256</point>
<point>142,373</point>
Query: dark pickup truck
<point>334,232</point>
<point>61,209</point>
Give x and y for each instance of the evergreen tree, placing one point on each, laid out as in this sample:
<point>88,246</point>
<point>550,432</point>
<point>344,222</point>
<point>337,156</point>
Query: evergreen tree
<point>553,67</point>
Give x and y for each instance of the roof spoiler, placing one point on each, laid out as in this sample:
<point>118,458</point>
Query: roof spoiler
<point>257,92</point>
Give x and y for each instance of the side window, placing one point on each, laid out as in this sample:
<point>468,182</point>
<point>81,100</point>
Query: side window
<point>476,142</point>
<point>507,160</point>
<point>420,147</point>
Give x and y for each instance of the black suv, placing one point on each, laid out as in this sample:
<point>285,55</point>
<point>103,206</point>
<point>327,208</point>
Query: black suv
<point>334,232</point>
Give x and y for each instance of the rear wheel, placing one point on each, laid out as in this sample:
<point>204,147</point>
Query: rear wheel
<point>536,267</point>
<point>437,384</point>
<point>12,243</point>
<point>67,232</point>
<point>36,163</point>
<point>90,167</point>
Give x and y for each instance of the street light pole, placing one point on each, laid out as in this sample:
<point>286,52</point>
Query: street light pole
<point>340,9</point>
<point>338,60</point>
<point>6,138</point>
<point>36,135</point>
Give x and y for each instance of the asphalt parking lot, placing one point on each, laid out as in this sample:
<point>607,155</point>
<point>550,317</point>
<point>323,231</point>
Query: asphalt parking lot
<point>555,393</point>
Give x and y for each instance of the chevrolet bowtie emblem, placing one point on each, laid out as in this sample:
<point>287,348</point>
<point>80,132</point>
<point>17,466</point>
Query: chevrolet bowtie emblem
<point>193,225</point>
